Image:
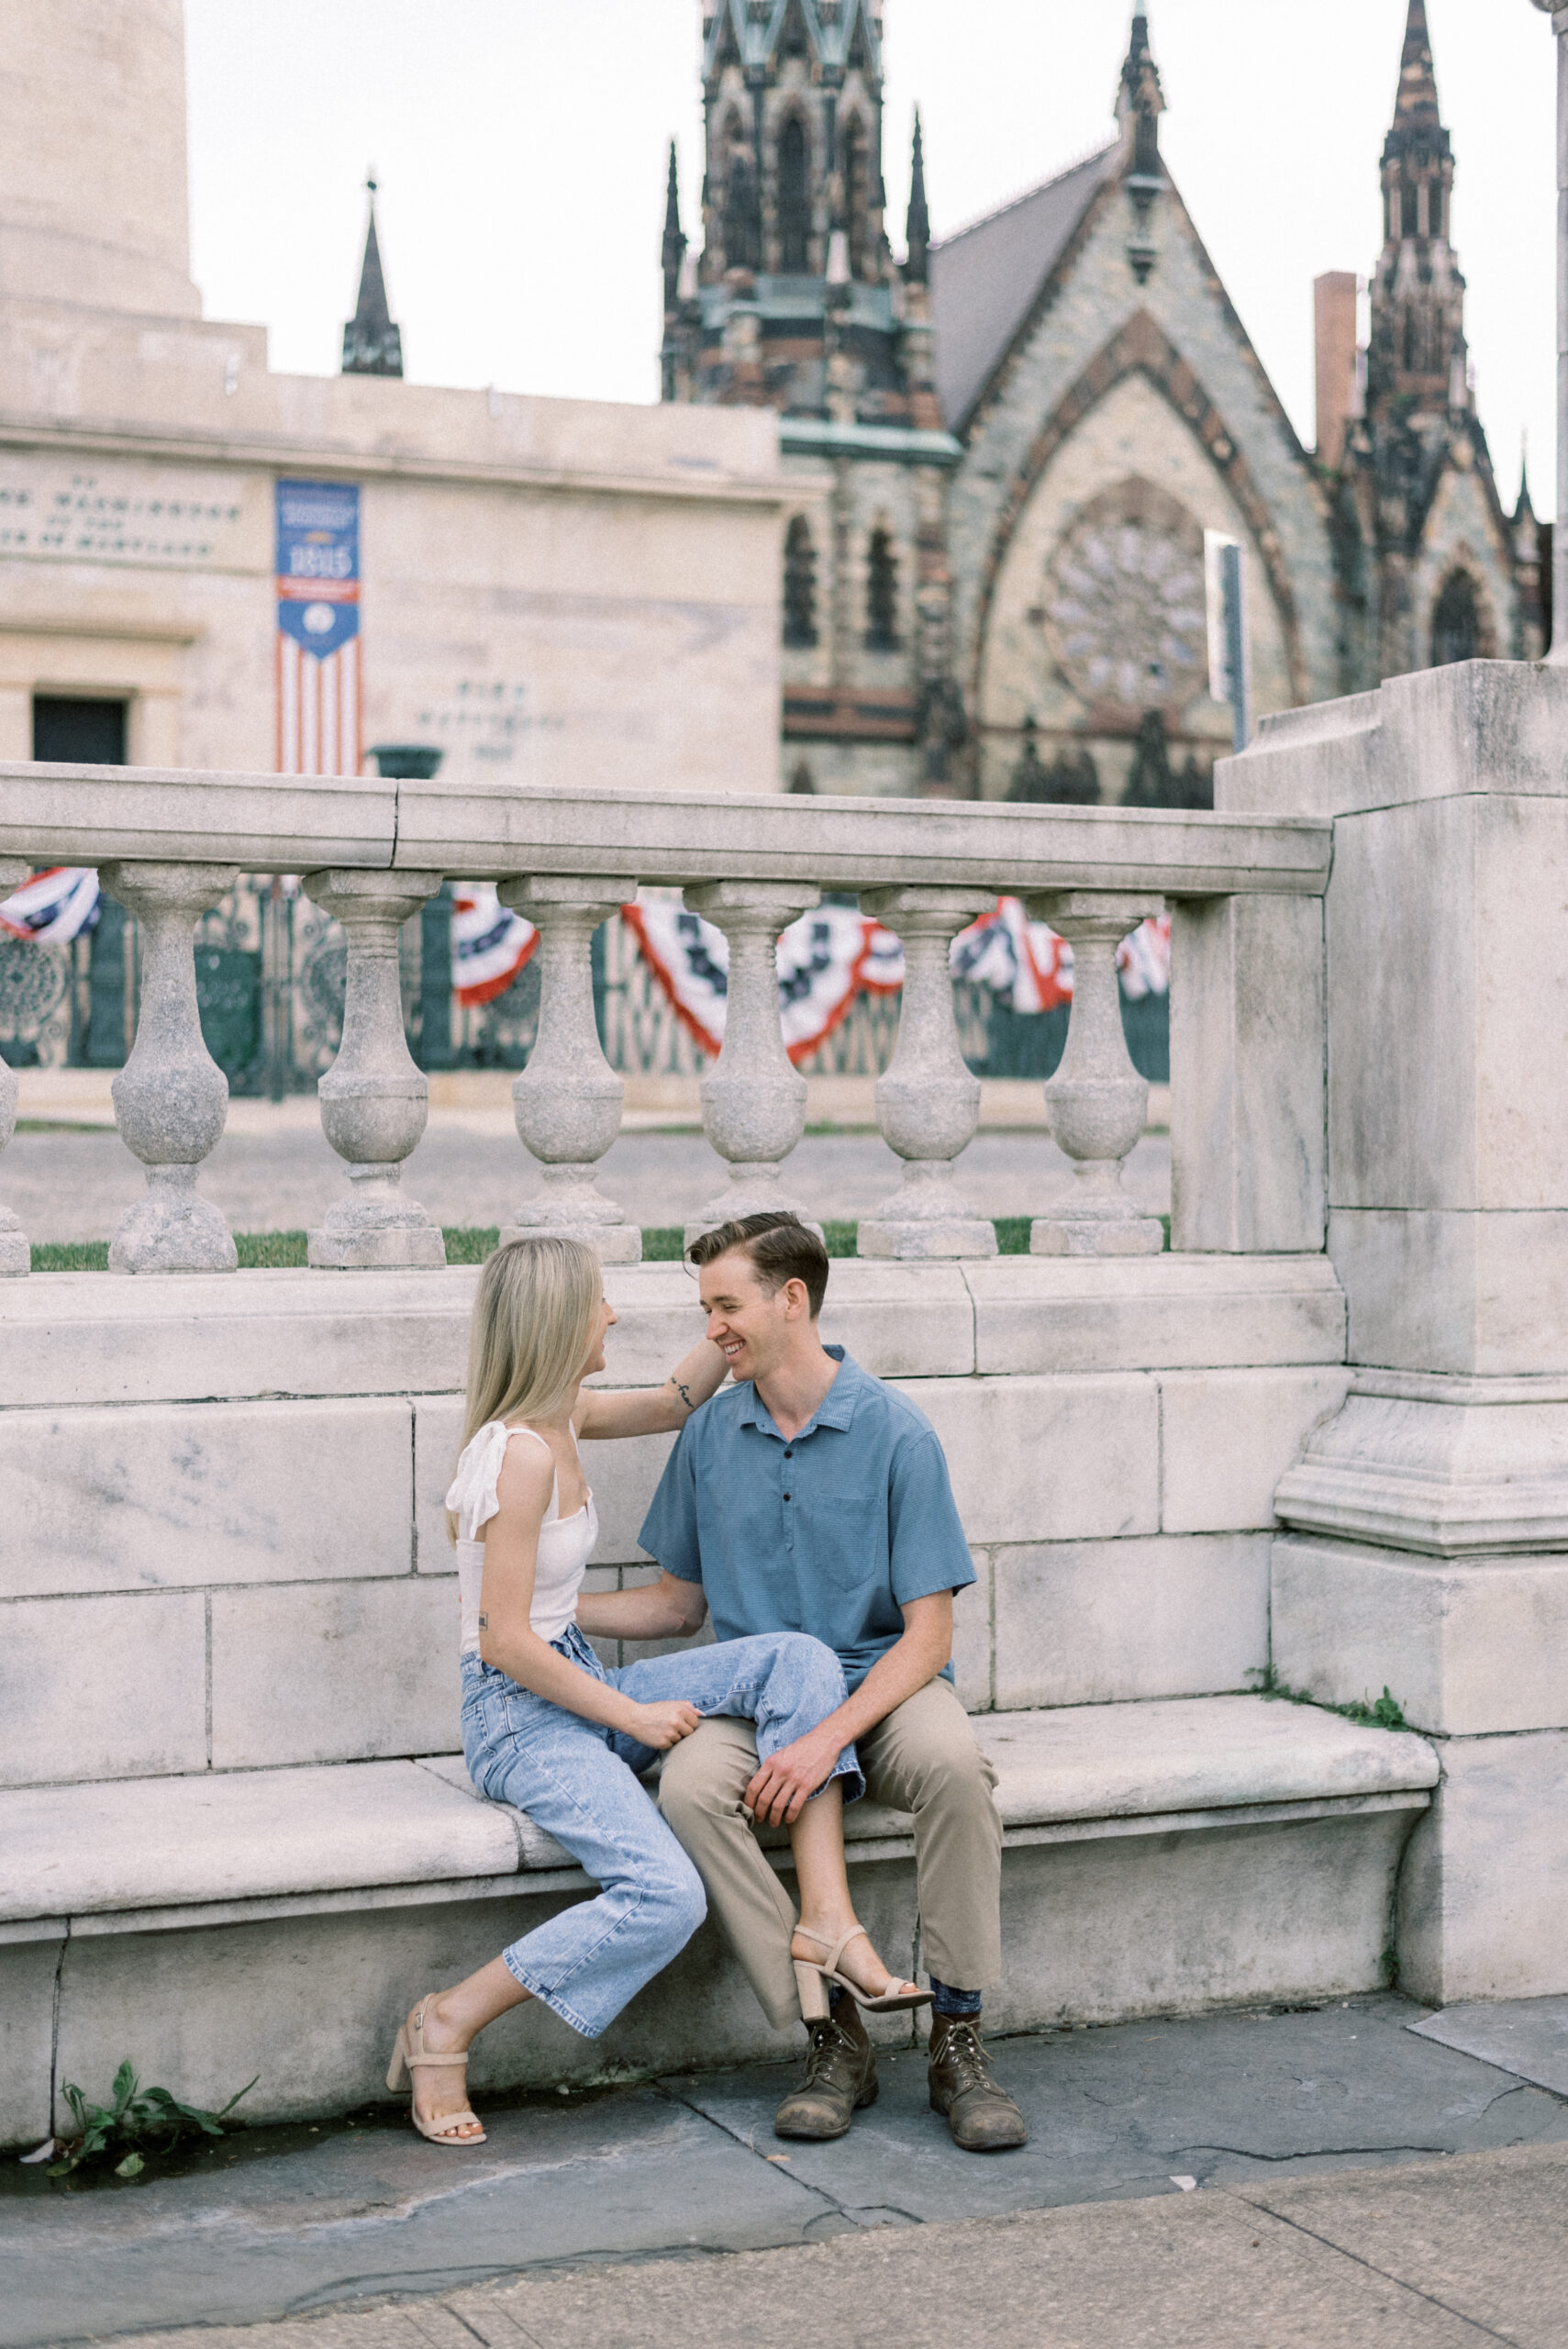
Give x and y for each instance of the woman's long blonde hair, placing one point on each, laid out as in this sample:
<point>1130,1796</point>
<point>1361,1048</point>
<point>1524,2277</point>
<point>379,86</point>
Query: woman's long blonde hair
<point>533,1323</point>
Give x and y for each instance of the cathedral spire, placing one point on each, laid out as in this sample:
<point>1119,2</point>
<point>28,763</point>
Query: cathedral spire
<point>917,223</point>
<point>1139,98</point>
<point>371,344</point>
<point>1525,510</point>
<point>1417,296</point>
<point>1416,103</point>
<point>675,246</point>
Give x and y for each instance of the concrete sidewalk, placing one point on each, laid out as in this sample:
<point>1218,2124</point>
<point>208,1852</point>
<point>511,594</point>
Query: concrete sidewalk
<point>1168,2196</point>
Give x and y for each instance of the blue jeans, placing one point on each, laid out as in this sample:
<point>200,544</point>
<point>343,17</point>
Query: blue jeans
<point>580,1783</point>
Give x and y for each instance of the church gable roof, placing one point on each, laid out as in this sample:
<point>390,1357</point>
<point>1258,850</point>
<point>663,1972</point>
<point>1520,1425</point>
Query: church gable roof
<point>985,280</point>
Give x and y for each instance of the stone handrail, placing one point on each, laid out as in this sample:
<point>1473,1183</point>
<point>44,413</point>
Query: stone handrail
<point>370,851</point>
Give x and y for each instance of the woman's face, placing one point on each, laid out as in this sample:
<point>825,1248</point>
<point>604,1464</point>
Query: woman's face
<point>605,1318</point>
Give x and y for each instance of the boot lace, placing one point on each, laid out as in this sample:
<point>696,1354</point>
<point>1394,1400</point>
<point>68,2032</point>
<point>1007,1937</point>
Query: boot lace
<point>829,2051</point>
<point>964,2057</point>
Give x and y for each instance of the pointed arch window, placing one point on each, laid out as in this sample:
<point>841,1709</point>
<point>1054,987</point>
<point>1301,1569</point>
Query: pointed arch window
<point>857,197</point>
<point>881,594</point>
<point>795,199</point>
<point>741,216</point>
<point>1456,622</point>
<point>799,584</point>
<point>1435,207</point>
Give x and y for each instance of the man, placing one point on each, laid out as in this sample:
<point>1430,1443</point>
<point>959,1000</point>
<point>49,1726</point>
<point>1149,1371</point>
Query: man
<point>809,1497</point>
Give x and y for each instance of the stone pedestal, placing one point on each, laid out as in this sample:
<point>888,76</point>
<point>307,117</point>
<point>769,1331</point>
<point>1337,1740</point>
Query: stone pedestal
<point>373,1100</point>
<point>1427,1549</point>
<point>1097,1101</point>
<point>170,1098</point>
<point>928,1103</point>
<point>753,1100</point>
<point>568,1100</point>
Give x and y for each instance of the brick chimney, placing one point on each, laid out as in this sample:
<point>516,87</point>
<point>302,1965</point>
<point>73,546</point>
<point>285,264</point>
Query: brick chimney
<point>1334,319</point>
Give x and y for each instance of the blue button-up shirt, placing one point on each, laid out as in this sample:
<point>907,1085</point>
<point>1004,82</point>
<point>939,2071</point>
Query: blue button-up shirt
<point>831,1532</point>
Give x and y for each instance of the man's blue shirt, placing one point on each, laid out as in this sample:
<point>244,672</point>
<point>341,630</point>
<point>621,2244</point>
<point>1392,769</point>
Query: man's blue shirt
<point>832,1532</point>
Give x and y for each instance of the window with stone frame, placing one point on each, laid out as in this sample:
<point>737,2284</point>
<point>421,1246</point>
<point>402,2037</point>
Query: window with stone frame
<point>794,199</point>
<point>1456,621</point>
<point>741,215</point>
<point>881,593</point>
<point>857,197</point>
<point>799,584</point>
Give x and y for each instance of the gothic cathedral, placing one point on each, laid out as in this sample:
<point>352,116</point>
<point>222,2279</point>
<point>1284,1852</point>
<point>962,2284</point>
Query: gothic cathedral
<point>1006,448</point>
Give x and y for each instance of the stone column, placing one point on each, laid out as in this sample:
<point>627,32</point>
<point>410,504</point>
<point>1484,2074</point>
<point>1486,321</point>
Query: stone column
<point>753,1101</point>
<point>567,1099</point>
<point>928,1103</point>
<point>373,1100</point>
<point>16,1256</point>
<point>171,1098</point>
<point>1425,1541</point>
<point>1097,1101</point>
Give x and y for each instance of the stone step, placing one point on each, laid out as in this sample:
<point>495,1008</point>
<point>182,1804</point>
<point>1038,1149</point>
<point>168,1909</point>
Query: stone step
<point>1159,1857</point>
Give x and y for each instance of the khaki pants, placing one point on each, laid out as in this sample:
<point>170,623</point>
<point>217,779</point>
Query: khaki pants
<point>922,1758</point>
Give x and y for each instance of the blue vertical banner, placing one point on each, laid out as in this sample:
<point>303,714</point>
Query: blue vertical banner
<point>319,628</point>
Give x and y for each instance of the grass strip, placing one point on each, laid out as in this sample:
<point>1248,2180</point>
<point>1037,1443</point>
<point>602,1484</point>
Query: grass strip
<point>469,1244</point>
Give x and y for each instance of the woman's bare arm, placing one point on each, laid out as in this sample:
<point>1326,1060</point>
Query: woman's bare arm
<point>508,1641</point>
<point>653,1411</point>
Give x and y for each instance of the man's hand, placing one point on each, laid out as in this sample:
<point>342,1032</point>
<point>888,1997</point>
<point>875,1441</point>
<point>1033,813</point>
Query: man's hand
<point>779,1792</point>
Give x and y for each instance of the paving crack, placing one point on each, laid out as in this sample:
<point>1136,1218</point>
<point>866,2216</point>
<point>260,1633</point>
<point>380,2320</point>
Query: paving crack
<point>1310,2152</point>
<point>842,2209</point>
<point>1486,2332</point>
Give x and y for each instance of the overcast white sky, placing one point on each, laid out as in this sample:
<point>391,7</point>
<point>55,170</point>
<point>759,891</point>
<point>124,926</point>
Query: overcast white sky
<point>520,149</point>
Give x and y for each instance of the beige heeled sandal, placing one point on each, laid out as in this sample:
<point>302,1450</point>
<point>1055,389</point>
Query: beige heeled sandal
<point>410,2050</point>
<point>811,1979</point>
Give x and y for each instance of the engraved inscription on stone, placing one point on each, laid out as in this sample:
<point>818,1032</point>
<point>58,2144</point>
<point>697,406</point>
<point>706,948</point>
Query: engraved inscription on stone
<point>118,514</point>
<point>482,718</point>
<point>1124,602</point>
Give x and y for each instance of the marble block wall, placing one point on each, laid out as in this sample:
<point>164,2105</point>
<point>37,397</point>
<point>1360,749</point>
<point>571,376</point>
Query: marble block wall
<point>1427,1549</point>
<point>261,1576</point>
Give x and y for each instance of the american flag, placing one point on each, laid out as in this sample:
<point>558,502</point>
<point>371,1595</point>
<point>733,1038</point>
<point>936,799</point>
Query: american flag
<point>319,628</point>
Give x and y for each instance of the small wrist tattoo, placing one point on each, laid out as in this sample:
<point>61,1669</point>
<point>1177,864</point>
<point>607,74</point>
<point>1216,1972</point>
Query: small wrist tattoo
<point>484,1622</point>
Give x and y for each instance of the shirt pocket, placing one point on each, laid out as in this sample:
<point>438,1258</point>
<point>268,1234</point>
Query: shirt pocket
<point>847,1534</point>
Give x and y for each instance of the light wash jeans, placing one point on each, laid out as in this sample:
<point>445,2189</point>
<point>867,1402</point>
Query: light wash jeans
<point>580,1783</point>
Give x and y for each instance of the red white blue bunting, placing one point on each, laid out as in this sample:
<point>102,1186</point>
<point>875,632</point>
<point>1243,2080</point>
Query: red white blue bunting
<point>53,907</point>
<point>489,945</point>
<point>825,959</point>
<point>830,956</point>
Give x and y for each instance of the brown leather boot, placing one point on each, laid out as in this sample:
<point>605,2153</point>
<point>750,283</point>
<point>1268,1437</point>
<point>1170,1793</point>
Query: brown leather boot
<point>980,2113</point>
<point>840,2078</point>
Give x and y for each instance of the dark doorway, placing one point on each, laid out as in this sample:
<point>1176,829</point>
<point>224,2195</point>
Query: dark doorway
<point>79,732</point>
<point>92,734</point>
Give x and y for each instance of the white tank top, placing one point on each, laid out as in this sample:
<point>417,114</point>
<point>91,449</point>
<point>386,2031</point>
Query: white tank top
<point>565,1543</point>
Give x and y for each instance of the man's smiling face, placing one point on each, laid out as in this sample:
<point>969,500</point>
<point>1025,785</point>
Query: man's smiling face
<point>752,1326</point>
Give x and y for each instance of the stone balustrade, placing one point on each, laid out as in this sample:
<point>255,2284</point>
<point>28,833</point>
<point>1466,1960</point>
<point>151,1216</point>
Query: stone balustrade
<point>373,850</point>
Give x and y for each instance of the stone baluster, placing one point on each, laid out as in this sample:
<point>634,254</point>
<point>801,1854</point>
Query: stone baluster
<point>1097,1101</point>
<point>567,1101</point>
<point>373,1100</point>
<point>16,1256</point>
<point>753,1100</point>
<point>170,1098</point>
<point>927,1102</point>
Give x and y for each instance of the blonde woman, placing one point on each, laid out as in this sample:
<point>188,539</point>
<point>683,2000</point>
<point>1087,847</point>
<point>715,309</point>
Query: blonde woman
<point>546,1727</point>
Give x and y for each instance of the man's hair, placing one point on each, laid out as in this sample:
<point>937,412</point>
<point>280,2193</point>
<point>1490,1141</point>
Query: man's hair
<point>779,1247</point>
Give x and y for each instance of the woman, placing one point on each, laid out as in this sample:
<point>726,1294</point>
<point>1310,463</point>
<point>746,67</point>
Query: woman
<point>548,1727</point>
